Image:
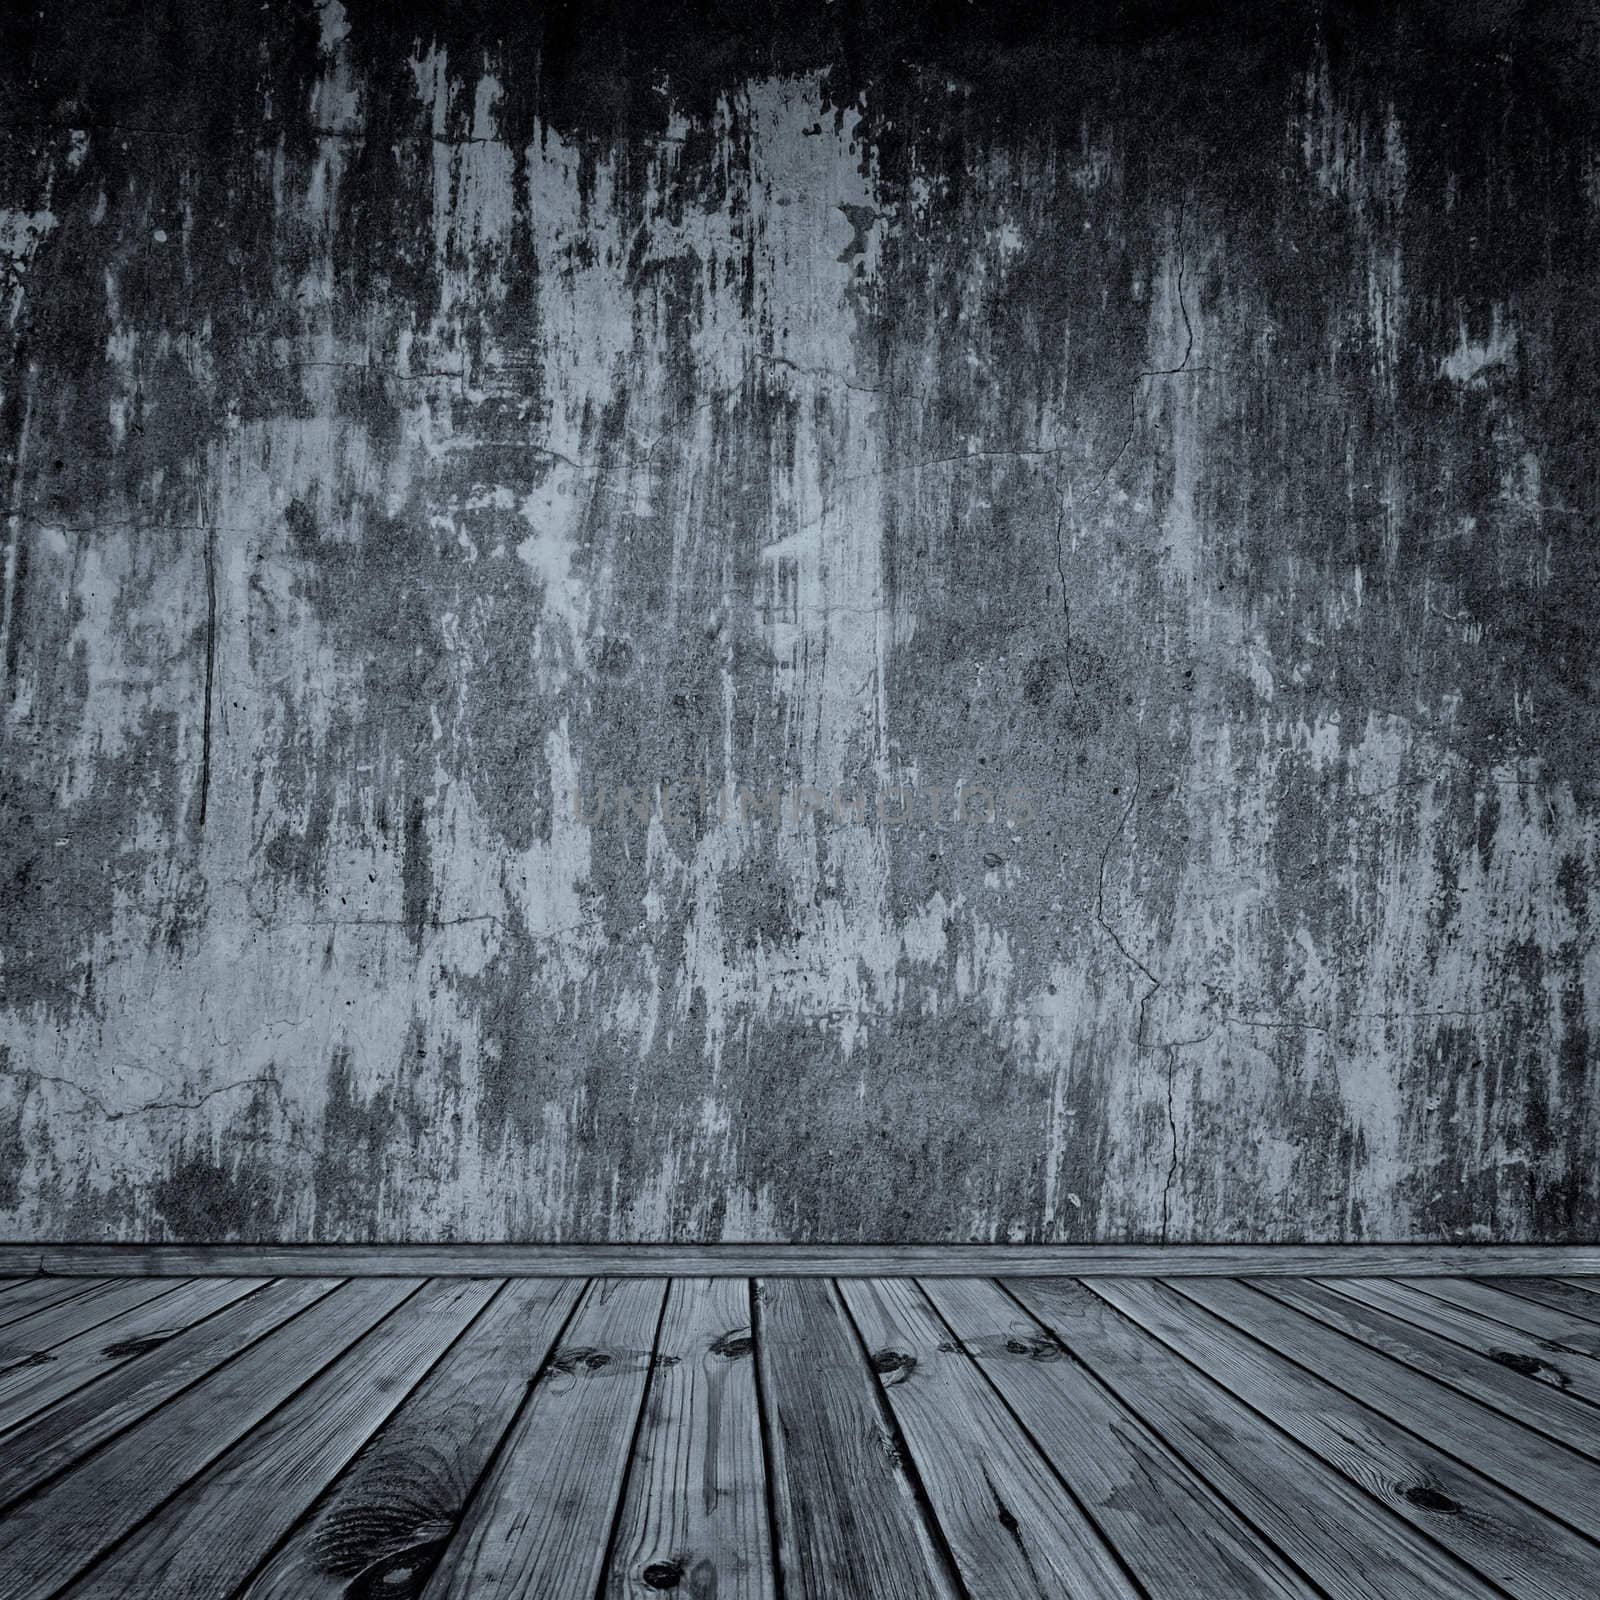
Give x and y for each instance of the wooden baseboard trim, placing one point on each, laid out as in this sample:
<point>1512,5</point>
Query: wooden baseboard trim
<point>797,1260</point>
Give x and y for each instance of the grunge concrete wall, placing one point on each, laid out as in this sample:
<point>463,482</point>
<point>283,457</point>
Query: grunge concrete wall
<point>424,424</point>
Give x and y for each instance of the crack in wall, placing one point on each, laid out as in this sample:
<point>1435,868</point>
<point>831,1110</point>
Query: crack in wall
<point>211,671</point>
<point>31,1076</point>
<point>1061,576</point>
<point>1172,1126</point>
<point>16,555</point>
<point>1158,372</point>
<point>1154,983</point>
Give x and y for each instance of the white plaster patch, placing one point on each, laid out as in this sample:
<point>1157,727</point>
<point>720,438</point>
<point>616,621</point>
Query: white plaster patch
<point>1472,359</point>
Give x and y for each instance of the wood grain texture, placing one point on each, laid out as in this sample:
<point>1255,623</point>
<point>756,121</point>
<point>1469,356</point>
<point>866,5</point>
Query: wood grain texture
<point>1498,1534</point>
<point>695,1517</point>
<point>1551,1323</point>
<point>1173,1532</point>
<point>1014,1529</point>
<point>208,1538</point>
<point>1517,1351</point>
<point>1556,1479</point>
<point>687,1259</point>
<point>1536,1391</point>
<point>1343,1539</point>
<point>60,1320</point>
<point>1557,1293</point>
<point>27,1295</point>
<point>73,1427</point>
<point>26,1388</point>
<point>1032,1440</point>
<point>111,1493</point>
<point>848,1514</point>
<point>388,1518</point>
<point>542,1521</point>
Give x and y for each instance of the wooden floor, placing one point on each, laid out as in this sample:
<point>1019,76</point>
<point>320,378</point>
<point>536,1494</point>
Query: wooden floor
<point>786,1437</point>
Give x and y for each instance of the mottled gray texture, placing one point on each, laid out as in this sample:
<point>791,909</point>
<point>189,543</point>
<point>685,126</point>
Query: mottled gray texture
<point>413,433</point>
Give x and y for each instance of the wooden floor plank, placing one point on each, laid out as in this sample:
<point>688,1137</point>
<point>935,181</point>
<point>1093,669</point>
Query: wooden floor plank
<point>210,1537</point>
<point>1014,1529</point>
<point>28,1295</point>
<point>542,1521</point>
<point>1345,1541</point>
<point>1550,1323</point>
<point>55,1438</point>
<point>1177,1536</point>
<point>50,1537</point>
<point>1555,1478</point>
<point>1530,1555</point>
<point>695,1515</point>
<point>47,1326</point>
<point>1497,1380</point>
<point>1561,1294</point>
<point>1509,1347</point>
<point>386,1522</point>
<point>849,1520</point>
<point>26,1389</point>
<point>1380,1435</point>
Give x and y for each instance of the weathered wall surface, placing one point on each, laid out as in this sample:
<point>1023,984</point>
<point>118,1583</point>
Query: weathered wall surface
<point>420,429</point>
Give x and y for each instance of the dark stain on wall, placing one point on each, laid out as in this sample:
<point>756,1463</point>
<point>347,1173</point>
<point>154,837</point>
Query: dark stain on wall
<point>852,621</point>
